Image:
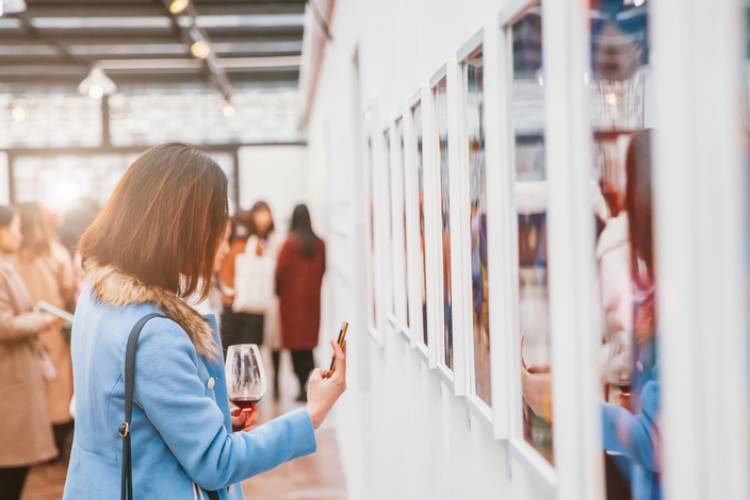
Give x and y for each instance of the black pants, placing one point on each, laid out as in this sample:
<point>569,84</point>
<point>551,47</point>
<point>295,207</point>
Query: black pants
<point>12,480</point>
<point>276,360</point>
<point>242,328</point>
<point>63,439</point>
<point>303,362</point>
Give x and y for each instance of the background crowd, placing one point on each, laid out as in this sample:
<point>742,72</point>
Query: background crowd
<point>265,291</point>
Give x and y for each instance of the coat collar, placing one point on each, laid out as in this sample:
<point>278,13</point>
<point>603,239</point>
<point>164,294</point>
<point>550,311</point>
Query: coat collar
<point>114,287</point>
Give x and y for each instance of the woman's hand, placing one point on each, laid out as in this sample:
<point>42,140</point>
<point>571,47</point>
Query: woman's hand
<point>244,420</point>
<point>55,322</point>
<point>325,387</point>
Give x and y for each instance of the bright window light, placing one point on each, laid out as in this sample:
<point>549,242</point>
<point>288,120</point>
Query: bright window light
<point>121,49</point>
<point>62,194</point>
<point>244,21</point>
<point>100,22</point>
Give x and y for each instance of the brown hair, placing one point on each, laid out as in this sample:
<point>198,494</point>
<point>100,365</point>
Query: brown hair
<point>252,228</point>
<point>164,221</point>
<point>37,234</point>
<point>638,202</point>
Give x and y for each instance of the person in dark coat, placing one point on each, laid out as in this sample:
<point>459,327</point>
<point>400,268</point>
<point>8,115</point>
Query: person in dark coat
<point>299,275</point>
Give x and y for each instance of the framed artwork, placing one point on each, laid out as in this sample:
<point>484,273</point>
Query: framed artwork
<point>372,246</point>
<point>624,247</point>
<point>440,100</point>
<point>473,108</point>
<point>401,247</point>
<point>526,119</point>
<point>390,238</point>
<point>417,156</point>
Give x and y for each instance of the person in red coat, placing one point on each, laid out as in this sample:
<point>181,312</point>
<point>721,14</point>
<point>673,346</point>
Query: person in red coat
<point>299,275</point>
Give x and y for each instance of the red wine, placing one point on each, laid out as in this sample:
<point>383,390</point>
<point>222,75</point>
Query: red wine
<point>245,402</point>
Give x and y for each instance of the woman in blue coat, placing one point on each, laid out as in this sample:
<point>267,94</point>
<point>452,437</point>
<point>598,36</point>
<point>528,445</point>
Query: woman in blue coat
<point>153,244</point>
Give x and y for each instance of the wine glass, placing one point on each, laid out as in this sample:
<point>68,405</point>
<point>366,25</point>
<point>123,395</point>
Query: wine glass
<point>246,377</point>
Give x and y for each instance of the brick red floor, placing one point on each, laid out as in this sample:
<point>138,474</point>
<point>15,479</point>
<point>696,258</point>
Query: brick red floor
<point>317,477</point>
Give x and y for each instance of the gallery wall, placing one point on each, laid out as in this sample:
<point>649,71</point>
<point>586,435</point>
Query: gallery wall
<point>533,124</point>
<point>402,431</point>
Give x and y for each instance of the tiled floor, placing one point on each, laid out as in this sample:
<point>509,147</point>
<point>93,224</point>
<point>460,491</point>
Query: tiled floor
<point>317,477</point>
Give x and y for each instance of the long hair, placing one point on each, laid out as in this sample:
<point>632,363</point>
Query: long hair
<point>37,234</point>
<point>638,204</point>
<point>252,228</point>
<point>302,228</point>
<point>164,222</point>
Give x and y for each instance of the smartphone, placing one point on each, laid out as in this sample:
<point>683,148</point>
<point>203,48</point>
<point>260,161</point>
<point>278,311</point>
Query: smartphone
<point>340,341</point>
<point>43,306</point>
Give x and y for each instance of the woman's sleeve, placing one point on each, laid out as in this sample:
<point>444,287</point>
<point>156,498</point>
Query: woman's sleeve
<point>14,327</point>
<point>177,403</point>
<point>635,436</point>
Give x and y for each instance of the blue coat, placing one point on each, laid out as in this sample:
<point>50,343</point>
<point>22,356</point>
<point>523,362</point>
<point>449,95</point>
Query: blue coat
<point>181,429</point>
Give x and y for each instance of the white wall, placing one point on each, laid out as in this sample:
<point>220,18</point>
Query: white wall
<point>403,433</point>
<point>276,174</point>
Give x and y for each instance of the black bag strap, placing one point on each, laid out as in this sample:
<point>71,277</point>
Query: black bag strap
<point>126,482</point>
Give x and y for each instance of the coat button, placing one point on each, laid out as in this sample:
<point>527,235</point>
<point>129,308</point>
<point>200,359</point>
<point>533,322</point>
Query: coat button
<point>211,382</point>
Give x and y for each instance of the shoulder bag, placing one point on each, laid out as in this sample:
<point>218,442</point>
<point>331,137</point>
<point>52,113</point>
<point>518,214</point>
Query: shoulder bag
<point>126,483</point>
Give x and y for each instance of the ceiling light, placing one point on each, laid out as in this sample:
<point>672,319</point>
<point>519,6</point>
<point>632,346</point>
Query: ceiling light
<point>200,49</point>
<point>178,6</point>
<point>611,98</point>
<point>18,111</point>
<point>227,108</point>
<point>97,84</point>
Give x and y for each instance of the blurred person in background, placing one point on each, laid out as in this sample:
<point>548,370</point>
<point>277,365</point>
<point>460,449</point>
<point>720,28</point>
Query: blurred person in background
<point>75,221</point>
<point>250,267</point>
<point>69,231</point>
<point>46,268</point>
<point>238,233</point>
<point>212,304</point>
<point>25,433</point>
<point>299,277</point>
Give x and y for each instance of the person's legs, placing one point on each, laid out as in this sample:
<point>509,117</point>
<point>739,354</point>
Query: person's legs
<point>303,365</point>
<point>62,433</point>
<point>255,325</point>
<point>249,328</point>
<point>276,362</point>
<point>228,328</point>
<point>12,480</point>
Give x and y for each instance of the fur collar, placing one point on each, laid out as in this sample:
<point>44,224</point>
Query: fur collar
<point>114,287</point>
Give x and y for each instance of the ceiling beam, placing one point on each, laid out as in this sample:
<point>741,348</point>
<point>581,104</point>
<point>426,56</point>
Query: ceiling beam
<point>110,38</point>
<point>135,9</point>
<point>72,79</point>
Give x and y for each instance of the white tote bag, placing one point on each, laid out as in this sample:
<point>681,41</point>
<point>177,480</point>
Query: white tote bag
<point>254,279</point>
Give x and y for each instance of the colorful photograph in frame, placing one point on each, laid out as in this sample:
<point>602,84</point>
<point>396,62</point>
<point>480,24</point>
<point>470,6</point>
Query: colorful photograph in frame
<point>440,93</point>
